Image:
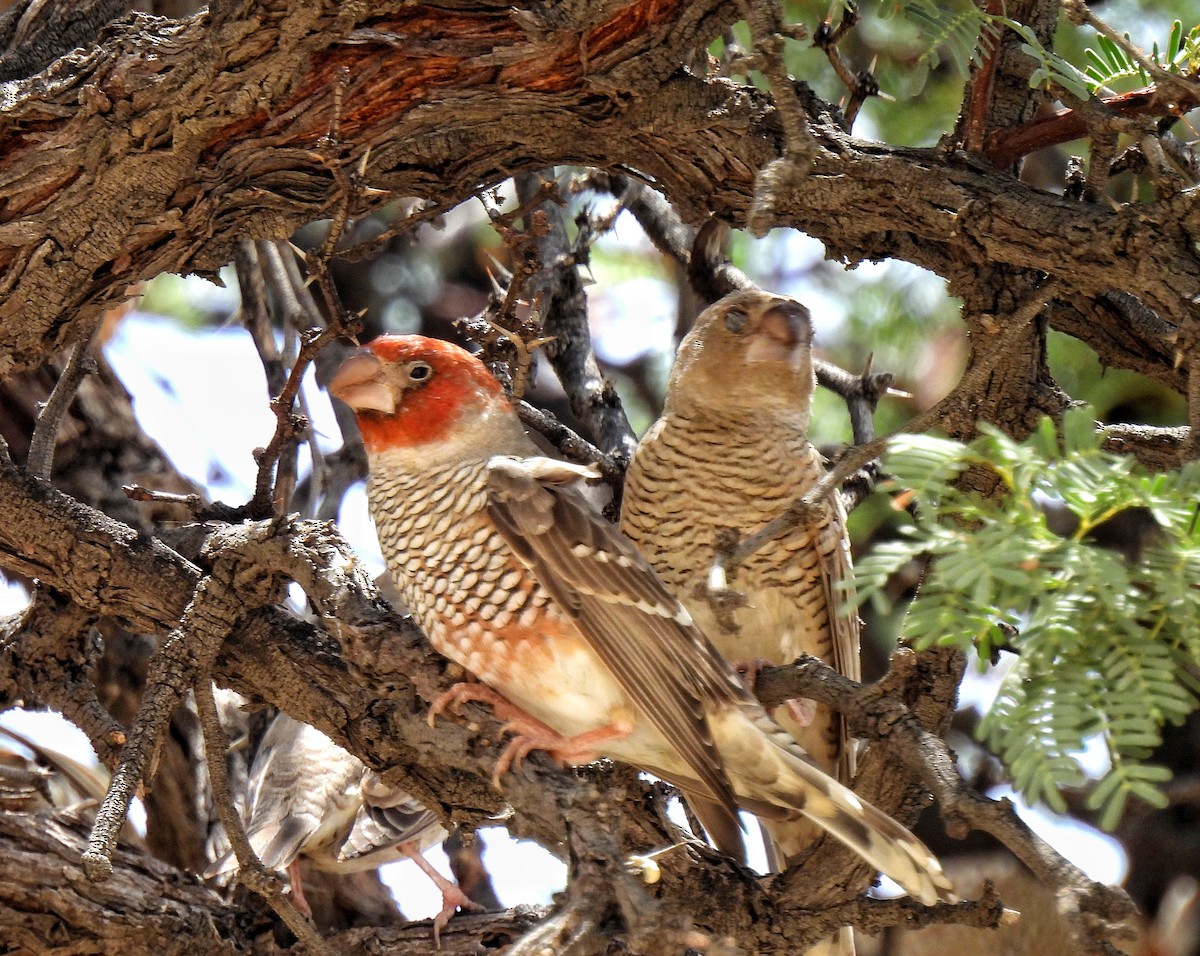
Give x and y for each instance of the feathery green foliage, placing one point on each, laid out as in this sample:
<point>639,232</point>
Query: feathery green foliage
<point>956,29</point>
<point>961,30</point>
<point>1113,63</point>
<point>1106,628</point>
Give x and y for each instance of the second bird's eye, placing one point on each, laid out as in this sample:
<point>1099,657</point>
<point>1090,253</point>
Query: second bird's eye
<point>735,320</point>
<point>419,371</point>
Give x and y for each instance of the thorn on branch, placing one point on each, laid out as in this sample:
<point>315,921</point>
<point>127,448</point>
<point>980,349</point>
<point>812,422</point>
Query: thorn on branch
<point>861,84</point>
<point>781,176</point>
<point>500,322</point>
<point>658,219</point>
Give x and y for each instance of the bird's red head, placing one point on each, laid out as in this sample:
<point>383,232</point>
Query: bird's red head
<point>410,390</point>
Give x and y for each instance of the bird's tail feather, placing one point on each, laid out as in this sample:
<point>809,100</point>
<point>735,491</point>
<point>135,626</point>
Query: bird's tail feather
<point>868,831</point>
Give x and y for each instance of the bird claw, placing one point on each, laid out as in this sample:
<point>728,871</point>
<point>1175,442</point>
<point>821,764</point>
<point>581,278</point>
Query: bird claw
<point>461,693</point>
<point>803,710</point>
<point>453,898</point>
<point>748,669</point>
<point>529,733</point>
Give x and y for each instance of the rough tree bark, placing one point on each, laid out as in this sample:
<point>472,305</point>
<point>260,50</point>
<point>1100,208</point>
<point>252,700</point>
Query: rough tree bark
<point>168,142</point>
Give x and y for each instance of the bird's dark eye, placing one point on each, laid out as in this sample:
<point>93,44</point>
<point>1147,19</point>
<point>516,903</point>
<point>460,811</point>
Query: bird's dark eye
<point>735,320</point>
<point>419,371</point>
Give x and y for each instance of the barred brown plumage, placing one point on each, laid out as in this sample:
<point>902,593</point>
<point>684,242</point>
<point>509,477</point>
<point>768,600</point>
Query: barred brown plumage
<point>515,576</point>
<point>731,451</point>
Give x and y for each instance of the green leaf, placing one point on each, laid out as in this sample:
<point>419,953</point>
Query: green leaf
<point>1106,646</point>
<point>1175,41</point>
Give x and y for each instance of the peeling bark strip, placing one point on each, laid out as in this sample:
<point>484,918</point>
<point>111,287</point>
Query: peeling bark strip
<point>162,149</point>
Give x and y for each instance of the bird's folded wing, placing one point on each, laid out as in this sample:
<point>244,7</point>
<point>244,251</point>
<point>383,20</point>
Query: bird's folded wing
<point>387,818</point>
<point>634,625</point>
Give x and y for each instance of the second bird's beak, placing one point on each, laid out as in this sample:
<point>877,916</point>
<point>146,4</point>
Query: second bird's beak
<point>783,335</point>
<point>360,384</point>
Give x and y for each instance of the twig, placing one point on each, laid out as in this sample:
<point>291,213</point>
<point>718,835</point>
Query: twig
<point>780,176</point>
<point>1182,154</point>
<point>219,601</point>
<point>983,80</point>
<point>658,219</point>
<point>1105,138</point>
<point>255,311</point>
<point>251,871</point>
<point>1078,13</point>
<point>327,149</point>
<point>861,84</point>
<point>264,503</point>
<point>767,27</point>
<point>45,432</point>
<point>573,446</point>
<point>594,400</point>
<point>300,312</point>
<point>1166,179</point>
<point>419,213</point>
<point>270,493</point>
<point>1005,146</point>
<point>200,510</point>
<point>498,322</point>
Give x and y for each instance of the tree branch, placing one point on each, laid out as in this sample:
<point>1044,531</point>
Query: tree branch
<point>698,141</point>
<point>1092,909</point>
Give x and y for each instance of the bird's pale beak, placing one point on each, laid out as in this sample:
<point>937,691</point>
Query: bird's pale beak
<point>360,384</point>
<point>783,334</point>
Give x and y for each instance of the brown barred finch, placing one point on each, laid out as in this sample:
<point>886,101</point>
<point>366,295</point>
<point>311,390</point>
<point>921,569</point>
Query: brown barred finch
<point>731,451</point>
<point>513,574</point>
<point>309,797</point>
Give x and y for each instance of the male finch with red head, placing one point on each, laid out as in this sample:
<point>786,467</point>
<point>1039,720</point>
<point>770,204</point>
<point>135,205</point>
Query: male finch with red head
<point>513,574</point>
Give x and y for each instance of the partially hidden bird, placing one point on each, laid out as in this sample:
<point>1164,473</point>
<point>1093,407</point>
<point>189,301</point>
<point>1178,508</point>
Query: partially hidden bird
<point>731,452</point>
<point>579,646</point>
<point>309,797</point>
